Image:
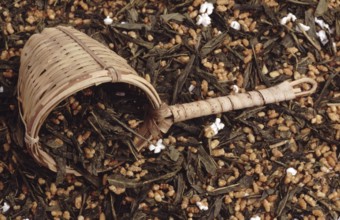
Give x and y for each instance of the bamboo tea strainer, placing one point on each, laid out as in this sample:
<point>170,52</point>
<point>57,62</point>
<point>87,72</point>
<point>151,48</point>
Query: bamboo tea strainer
<point>61,61</point>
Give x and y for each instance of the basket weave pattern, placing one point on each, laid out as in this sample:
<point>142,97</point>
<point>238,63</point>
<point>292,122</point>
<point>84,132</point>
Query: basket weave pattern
<point>58,63</point>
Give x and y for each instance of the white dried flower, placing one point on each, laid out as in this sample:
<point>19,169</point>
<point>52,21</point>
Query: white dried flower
<point>289,17</point>
<point>256,217</point>
<point>207,8</point>
<point>204,20</point>
<point>191,88</point>
<point>158,147</point>
<point>5,207</point>
<point>1,89</point>
<point>202,206</point>
<point>283,20</point>
<point>217,126</point>
<point>322,36</point>
<point>323,24</point>
<point>108,20</point>
<point>302,27</point>
<point>235,25</point>
<point>292,171</point>
<point>235,88</point>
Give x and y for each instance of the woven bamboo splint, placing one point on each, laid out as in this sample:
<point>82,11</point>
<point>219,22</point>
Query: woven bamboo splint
<point>61,61</point>
<point>58,63</point>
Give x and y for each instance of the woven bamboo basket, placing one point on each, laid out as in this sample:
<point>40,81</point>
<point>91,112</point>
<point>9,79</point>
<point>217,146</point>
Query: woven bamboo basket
<point>58,63</point>
<point>61,61</point>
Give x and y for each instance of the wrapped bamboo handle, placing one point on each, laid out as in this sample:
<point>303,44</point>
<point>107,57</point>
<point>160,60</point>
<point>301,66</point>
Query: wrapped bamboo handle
<point>281,92</point>
<point>161,119</point>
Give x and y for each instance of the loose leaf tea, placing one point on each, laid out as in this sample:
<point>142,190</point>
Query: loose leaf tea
<point>91,130</point>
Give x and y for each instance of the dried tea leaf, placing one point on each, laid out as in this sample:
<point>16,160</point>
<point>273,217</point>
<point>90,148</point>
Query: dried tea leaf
<point>216,208</point>
<point>160,52</point>
<point>180,185</point>
<point>287,41</point>
<point>139,41</point>
<point>224,190</point>
<point>267,193</point>
<point>152,67</point>
<point>337,24</point>
<point>212,44</point>
<point>40,212</point>
<point>321,8</point>
<point>302,65</point>
<point>325,89</point>
<point>141,195</point>
<point>181,4</point>
<point>309,21</point>
<point>173,16</point>
<point>173,154</point>
<point>132,26</point>
<point>247,113</point>
<point>132,15</point>
<point>288,196</point>
<point>190,173</point>
<point>271,14</point>
<point>208,162</point>
<point>112,207</point>
<point>246,181</point>
<point>248,82</point>
<point>140,215</point>
<point>302,2</point>
<point>191,129</point>
<point>235,53</point>
<point>269,43</point>
<point>182,79</point>
<point>18,133</point>
<point>94,124</point>
<point>61,172</point>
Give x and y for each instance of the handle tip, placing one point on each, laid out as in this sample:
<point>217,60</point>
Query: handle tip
<point>298,91</point>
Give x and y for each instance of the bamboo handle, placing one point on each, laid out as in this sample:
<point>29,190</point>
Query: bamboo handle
<point>281,92</point>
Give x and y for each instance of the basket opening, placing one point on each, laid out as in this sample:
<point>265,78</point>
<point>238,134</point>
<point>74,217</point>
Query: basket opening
<point>94,128</point>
